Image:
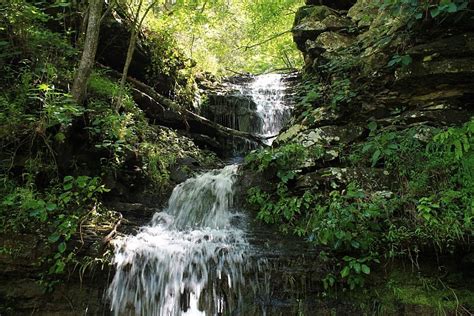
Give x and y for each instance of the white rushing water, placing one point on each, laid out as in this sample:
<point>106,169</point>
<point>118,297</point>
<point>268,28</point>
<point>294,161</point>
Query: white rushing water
<point>190,247</point>
<point>268,92</point>
<point>191,259</point>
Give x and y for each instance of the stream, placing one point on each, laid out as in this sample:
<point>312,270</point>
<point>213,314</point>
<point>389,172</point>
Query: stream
<point>194,257</point>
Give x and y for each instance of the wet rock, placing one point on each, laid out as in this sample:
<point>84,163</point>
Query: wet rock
<point>306,31</point>
<point>333,176</point>
<point>360,13</point>
<point>183,169</point>
<point>327,135</point>
<point>112,50</point>
<point>337,23</point>
<point>337,177</point>
<point>206,142</point>
<point>323,116</point>
<point>435,117</point>
<point>290,133</point>
<point>311,21</point>
<point>233,111</point>
<point>460,45</point>
<point>437,72</point>
<point>135,214</point>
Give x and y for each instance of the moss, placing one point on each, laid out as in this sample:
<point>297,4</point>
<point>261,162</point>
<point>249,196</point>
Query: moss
<point>102,86</point>
<point>412,292</point>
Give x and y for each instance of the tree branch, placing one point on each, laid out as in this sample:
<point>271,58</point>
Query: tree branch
<point>265,41</point>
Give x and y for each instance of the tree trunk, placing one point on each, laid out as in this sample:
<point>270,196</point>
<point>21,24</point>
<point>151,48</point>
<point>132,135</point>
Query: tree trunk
<point>91,42</point>
<point>136,27</point>
<point>128,60</point>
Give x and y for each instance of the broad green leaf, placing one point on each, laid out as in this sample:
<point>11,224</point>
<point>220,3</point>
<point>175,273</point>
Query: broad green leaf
<point>62,247</point>
<point>345,272</point>
<point>365,269</point>
<point>452,7</point>
<point>51,206</point>
<point>372,126</point>
<point>435,12</point>
<point>53,238</point>
<point>406,60</point>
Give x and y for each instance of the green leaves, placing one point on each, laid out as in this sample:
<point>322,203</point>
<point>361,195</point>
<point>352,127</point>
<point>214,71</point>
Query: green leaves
<point>448,6</point>
<point>56,212</point>
<point>457,141</point>
<point>400,60</point>
<point>379,146</point>
<point>283,158</point>
<point>365,269</point>
<point>355,269</point>
<point>68,183</point>
<point>53,237</point>
<point>419,9</point>
<point>345,272</point>
<point>62,247</point>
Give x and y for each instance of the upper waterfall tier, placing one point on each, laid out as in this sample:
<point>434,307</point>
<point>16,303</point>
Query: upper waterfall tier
<point>259,105</point>
<point>269,92</point>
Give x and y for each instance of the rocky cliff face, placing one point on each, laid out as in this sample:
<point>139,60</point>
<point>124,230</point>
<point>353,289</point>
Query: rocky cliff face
<point>375,89</point>
<point>349,57</point>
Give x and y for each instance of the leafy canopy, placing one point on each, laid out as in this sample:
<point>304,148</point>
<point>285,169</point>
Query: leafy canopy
<point>231,35</point>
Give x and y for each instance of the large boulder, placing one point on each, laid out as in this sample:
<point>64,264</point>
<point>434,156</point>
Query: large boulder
<point>311,21</point>
<point>328,42</point>
<point>112,52</point>
<point>309,24</point>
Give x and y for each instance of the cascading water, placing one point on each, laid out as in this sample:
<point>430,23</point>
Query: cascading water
<point>268,92</point>
<point>194,245</point>
<point>193,257</point>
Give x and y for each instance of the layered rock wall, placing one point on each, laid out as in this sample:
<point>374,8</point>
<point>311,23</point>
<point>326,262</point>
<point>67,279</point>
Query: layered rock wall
<point>348,53</point>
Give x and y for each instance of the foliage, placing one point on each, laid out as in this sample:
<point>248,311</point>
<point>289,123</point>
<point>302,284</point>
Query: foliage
<point>58,211</point>
<point>169,59</point>
<point>279,158</point>
<point>425,8</point>
<point>55,155</point>
<point>403,60</point>
<point>431,208</point>
<point>232,35</point>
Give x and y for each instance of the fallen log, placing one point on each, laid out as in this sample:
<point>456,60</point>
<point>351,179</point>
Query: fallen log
<point>170,114</point>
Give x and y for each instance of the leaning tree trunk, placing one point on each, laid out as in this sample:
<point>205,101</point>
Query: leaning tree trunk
<point>136,26</point>
<point>128,60</point>
<point>91,42</point>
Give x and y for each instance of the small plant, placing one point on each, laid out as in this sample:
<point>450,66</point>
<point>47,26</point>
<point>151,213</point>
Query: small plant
<point>400,60</point>
<point>424,9</point>
<point>355,270</point>
<point>58,211</point>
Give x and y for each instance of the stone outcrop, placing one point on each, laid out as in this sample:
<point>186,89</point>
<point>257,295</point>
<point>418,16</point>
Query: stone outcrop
<point>312,21</point>
<point>113,45</point>
<point>435,89</point>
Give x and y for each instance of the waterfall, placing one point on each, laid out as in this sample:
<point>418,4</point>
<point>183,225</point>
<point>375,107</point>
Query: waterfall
<point>193,257</point>
<point>193,246</point>
<point>269,92</point>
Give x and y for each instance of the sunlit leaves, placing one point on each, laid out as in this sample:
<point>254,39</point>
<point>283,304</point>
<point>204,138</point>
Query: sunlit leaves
<point>217,33</point>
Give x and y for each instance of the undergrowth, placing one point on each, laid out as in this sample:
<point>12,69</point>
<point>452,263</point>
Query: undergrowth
<point>57,157</point>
